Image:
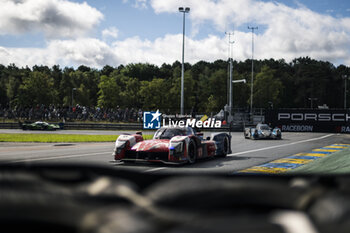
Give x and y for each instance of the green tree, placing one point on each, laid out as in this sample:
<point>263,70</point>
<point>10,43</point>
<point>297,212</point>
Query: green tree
<point>314,79</point>
<point>88,87</point>
<point>38,88</point>
<point>66,86</point>
<point>212,104</point>
<point>266,88</point>
<point>284,84</point>
<point>141,71</point>
<point>108,94</point>
<point>203,91</point>
<point>3,86</point>
<point>12,87</point>
<point>217,85</point>
<point>152,94</point>
<point>130,94</point>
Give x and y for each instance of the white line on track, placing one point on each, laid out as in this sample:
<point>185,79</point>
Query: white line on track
<point>56,157</point>
<point>283,145</point>
<point>155,169</point>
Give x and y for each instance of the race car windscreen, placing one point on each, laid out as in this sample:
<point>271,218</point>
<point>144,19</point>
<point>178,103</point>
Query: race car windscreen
<point>168,133</point>
<point>264,127</point>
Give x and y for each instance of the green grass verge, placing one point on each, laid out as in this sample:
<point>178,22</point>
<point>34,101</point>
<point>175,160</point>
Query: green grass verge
<point>336,163</point>
<point>60,138</point>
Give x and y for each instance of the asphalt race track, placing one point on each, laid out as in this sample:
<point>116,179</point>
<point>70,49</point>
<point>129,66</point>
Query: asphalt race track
<point>246,153</point>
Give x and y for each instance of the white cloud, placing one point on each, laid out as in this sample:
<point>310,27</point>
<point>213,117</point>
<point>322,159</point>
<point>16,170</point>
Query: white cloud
<point>86,51</point>
<point>169,49</point>
<point>82,51</point>
<point>140,4</point>
<point>111,32</point>
<point>284,32</point>
<point>56,18</point>
<point>96,53</point>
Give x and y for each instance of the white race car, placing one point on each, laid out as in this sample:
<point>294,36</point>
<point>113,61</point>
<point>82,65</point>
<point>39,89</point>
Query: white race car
<point>262,131</point>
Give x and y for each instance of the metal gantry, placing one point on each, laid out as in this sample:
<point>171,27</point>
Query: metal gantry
<point>183,10</point>
<point>230,67</point>
<point>252,78</point>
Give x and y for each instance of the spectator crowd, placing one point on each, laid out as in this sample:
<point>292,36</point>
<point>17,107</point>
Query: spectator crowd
<point>76,113</point>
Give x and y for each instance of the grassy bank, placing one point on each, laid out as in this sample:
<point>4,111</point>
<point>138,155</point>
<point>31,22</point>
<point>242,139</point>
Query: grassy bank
<point>337,163</point>
<point>60,138</point>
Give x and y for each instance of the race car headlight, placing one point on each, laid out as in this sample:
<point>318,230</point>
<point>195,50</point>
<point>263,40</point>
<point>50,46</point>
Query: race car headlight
<point>176,148</point>
<point>119,146</point>
<point>119,150</point>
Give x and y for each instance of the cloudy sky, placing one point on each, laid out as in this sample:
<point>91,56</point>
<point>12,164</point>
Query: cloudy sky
<point>104,32</point>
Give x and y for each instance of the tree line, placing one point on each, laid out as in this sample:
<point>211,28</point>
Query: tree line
<point>150,87</point>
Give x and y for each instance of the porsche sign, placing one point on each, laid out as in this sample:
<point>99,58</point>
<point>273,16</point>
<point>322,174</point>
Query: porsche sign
<point>309,120</point>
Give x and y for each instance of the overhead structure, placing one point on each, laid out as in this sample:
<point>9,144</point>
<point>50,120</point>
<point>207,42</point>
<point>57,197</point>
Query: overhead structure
<point>183,10</point>
<point>252,79</point>
<point>230,42</point>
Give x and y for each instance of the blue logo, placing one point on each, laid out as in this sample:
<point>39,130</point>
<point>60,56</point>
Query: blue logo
<point>151,120</point>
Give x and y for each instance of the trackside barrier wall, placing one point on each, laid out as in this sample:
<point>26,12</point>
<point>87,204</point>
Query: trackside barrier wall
<point>310,120</point>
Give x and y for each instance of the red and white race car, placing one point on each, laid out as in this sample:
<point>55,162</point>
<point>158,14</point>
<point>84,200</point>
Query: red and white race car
<point>171,145</point>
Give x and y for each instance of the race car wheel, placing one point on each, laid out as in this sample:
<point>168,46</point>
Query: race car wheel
<point>226,147</point>
<point>192,152</point>
<point>255,135</point>
<point>246,135</point>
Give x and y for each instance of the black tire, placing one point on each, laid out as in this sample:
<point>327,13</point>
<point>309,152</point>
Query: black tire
<point>192,152</point>
<point>226,149</point>
<point>255,136</point>
<point>251,136</point>
<point>245,135</point>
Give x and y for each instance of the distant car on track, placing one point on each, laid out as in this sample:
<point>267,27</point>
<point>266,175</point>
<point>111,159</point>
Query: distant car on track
<point>171,145</point>
<point>39,125</point>
<point>262,131</point>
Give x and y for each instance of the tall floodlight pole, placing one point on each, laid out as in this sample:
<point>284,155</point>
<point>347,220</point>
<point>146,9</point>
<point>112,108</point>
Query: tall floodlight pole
<point>230,63</point>
<point>252,79</point>
<point>183,10</point>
